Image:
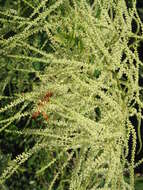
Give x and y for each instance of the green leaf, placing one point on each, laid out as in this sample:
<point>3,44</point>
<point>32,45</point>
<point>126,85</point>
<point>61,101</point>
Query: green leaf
<point>97,73</point>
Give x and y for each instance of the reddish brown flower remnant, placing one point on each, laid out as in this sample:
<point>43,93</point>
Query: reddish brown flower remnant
<point>44,100</point>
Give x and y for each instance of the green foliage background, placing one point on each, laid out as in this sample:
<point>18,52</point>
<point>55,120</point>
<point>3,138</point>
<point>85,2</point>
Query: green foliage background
<point>86,53</point>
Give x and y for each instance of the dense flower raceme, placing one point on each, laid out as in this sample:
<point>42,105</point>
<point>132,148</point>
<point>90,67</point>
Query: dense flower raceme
<point>86,68</point>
